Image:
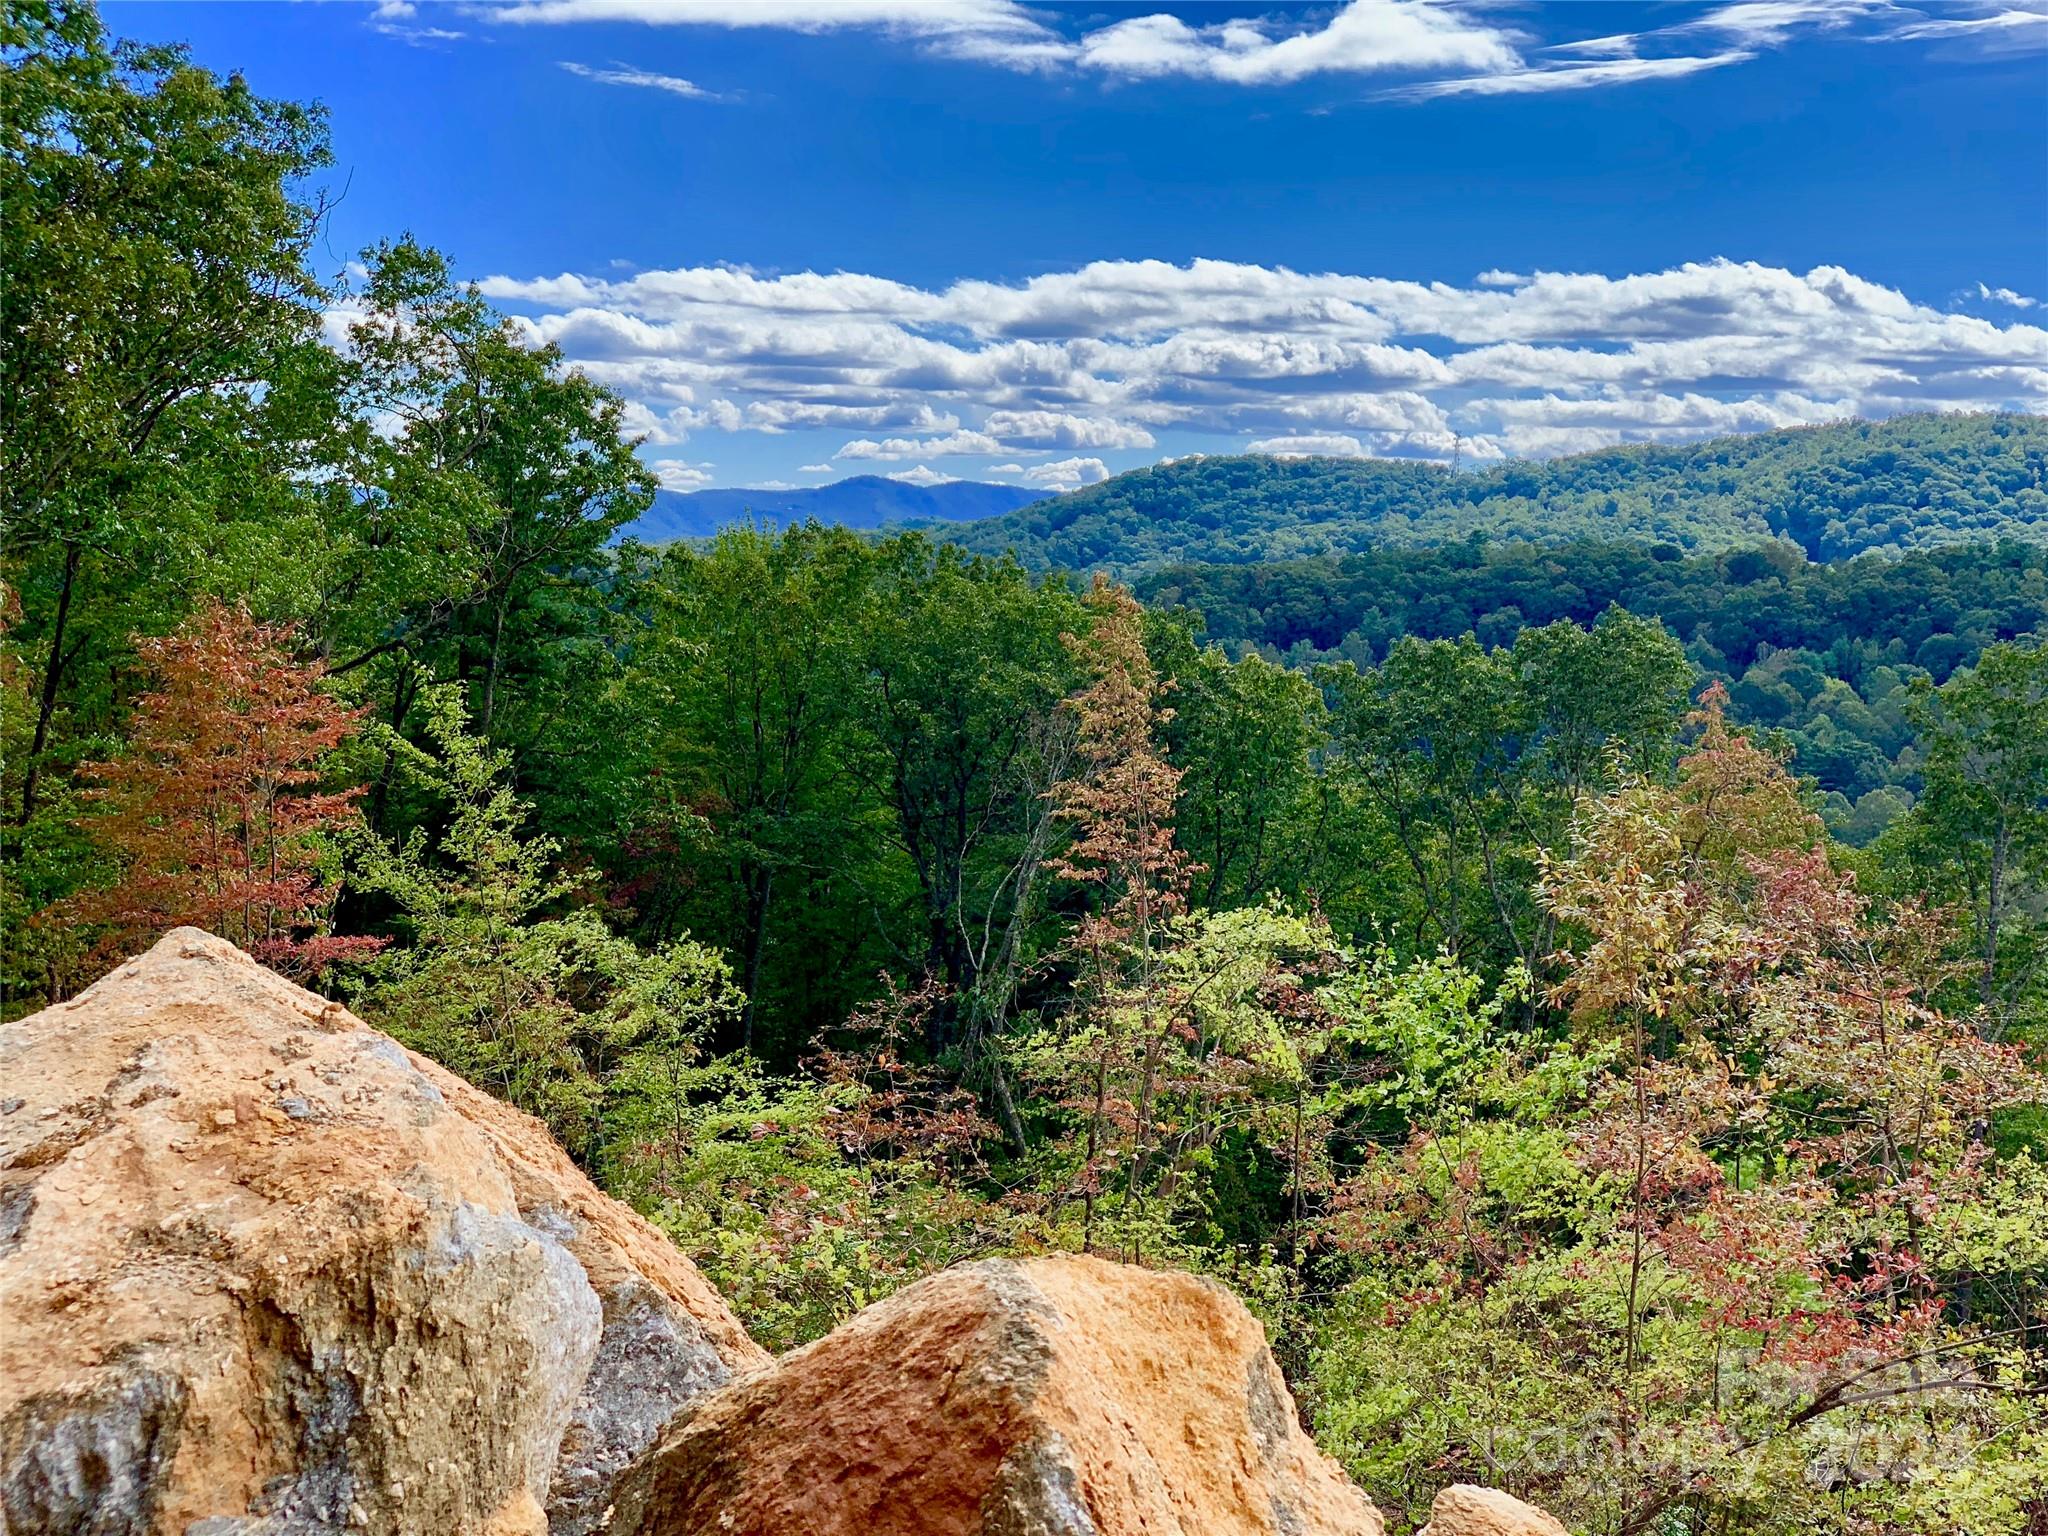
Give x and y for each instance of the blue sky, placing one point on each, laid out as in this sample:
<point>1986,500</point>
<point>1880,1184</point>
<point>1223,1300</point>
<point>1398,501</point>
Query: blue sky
<point>810,238</point>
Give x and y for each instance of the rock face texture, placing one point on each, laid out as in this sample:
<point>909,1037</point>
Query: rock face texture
<point>264,1272</point>
<point>1465,1510</point>
<point>1059,1397</point>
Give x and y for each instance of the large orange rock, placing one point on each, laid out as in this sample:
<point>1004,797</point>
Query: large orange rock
<point>264,1271</point>
<point>1059,1397</point>
<point>1465,1510</point>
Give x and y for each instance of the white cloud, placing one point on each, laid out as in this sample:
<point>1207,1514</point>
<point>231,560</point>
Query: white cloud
<point>2007,297</point>
<point>1365,36</point>
<point>1060,429</point>
<point>666,429</point>
<point>923,474</point>
<point>1108,356</point>
<point>1328,445</point>
<point>647,79</point>
<point>680,475</point>
<point>818,469</point>
<point>784,415</point>
<point>954,443</point>
<point>1064,474</point>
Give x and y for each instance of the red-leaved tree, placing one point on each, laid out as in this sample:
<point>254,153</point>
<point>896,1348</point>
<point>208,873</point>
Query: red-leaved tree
<point>215,811</point>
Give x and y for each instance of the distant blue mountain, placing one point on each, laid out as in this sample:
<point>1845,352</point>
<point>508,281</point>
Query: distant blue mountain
<point>865,501</point>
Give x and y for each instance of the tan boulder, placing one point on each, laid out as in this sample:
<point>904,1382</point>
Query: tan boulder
<point>265,1271</point>
<point>1059,1397</point>
<point>1465,1510</point>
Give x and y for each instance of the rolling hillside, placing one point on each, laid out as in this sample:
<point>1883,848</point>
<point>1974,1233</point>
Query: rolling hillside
<point>1912,482</point>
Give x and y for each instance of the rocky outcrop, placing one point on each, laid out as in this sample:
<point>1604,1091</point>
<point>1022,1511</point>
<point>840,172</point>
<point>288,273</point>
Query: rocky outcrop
<point>1059,1397</point>
<point>264,1271</point>
<point>1465,1510</point>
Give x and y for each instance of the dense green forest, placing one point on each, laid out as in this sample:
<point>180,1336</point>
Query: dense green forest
<point>1836,491</point>
<point>1828,656</point>
<point>1479,997</point>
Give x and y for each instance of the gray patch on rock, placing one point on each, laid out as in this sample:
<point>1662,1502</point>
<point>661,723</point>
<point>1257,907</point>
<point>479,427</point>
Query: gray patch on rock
<point>652,1361</point>
<point>390,1052</point>
<point>325,1403</point>
<point>1272,1424</point>
<point>16,1202</point>
<point>1037,1492</point>
<point>322,1401</point>
<point>552,1221</point>
<point>1017,1354</point>
<point>1270,1419</point>
<point>90,1463</point>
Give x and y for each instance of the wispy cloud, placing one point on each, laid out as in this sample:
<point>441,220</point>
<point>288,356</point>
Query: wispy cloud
<point>399,19</point>
<point>1443,47</point>
<point>1572,77</point>
<point>2002,27</point>
<point>645,79</point>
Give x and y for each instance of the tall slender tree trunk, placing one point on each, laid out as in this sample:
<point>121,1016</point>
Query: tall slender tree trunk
<point>401,704</point>
<point>759,889</point>
<point>1094,1145</point>
<point>491,665</point>
<point>1994,913</point>
<point>51,674</point>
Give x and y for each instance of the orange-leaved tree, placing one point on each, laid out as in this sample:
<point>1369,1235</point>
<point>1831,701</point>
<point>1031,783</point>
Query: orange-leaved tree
<point>1121,805</point>
<point>215,813</point>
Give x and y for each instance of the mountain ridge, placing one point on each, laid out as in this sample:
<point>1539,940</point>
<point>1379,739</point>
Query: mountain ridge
<point>1836,490</point>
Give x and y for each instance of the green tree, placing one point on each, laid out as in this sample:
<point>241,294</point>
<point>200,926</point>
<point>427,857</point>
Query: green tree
<point>752,665</point>
<point>961,674</point>
<point>155,247</point>
<point>502,973</point>
<point>521,464</point>
<point>1245,732</point>
<point>1985,735</point>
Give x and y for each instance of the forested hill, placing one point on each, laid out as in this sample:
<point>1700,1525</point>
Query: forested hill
<point>1912,482</point>
<point>862,501</point>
